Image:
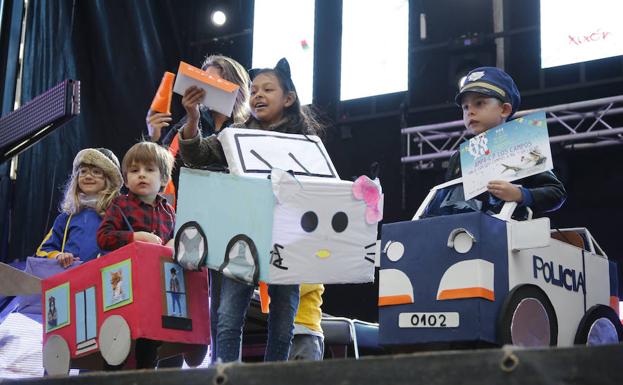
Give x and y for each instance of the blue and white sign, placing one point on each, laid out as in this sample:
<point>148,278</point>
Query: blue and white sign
<point>511,151</point>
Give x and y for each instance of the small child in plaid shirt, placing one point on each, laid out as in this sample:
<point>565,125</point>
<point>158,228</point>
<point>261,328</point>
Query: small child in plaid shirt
<point>142,214</point>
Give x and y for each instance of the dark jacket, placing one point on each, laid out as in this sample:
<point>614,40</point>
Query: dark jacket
<point>547,191</point>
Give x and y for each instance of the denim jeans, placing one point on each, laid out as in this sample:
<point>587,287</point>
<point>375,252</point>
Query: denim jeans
<point>232,310</point>
<point>215,299</point>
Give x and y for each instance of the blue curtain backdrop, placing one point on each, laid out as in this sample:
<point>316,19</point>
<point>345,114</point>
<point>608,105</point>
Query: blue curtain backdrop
<point>119,51</point>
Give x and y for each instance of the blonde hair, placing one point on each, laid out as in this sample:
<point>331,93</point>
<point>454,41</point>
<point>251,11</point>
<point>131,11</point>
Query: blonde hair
<point>148,153</point>
<point>234,72</point>
<point>71,195</point>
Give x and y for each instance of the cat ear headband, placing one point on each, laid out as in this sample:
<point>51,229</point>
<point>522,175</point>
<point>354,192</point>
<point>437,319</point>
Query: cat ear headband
<point>282,68</point>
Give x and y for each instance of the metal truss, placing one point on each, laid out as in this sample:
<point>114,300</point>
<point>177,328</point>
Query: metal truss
<point>576,125</point>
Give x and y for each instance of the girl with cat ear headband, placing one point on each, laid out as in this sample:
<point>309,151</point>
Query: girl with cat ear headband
<point>275,106</point>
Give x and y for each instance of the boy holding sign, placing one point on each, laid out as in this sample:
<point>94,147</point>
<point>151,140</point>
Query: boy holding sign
<point>489,98</point>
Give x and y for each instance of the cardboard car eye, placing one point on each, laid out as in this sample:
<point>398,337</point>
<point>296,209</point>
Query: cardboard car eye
<point>461,240</point>
<point>309,221</point>
<point>394,251</point>
<point>339,222</point>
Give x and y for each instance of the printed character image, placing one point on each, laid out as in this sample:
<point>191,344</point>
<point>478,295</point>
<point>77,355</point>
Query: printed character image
<point>116,285</point>
<point>52,312</point>
<point>174,289</point>
<point>56,307</point>
<point>527,162</point>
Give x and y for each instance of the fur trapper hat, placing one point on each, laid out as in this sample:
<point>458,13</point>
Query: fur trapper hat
<point>102,158</point>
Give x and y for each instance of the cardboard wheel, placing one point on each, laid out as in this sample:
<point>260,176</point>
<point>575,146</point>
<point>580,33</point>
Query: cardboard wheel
<point>195,356</point>
<point>236,264</point>
<point>193,257</point>
<point>115,340</point>
<point>56,355</point>
<point>527,318</point>
<point>599,326</point>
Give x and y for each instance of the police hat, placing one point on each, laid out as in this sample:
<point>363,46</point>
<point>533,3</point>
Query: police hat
<point>491,81</point>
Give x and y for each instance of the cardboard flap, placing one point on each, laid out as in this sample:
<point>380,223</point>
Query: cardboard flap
<point>17,282</point>
<point>530,234</point>
<point>256,152</point>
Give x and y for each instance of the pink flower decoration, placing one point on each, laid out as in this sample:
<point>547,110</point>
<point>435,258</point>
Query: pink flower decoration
<point>368,191</point>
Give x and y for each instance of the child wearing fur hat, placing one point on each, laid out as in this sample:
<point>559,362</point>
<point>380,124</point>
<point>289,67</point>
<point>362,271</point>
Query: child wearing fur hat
<point>488,98</point>
<point>94,182</point>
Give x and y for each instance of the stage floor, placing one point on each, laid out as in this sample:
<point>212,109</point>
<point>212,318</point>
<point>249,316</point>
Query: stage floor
<point>576,365</point>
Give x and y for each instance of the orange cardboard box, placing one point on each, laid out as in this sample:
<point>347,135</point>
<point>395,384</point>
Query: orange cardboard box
<point>220,93</point>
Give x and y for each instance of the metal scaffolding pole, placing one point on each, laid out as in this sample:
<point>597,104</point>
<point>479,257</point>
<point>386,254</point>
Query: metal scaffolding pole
<point>582,123</point>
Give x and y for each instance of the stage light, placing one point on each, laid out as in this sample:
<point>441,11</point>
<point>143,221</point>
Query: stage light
<point>218,17</point>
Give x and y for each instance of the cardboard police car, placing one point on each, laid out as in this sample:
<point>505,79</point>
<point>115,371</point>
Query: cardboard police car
<point>261,223</point>
<point>456,274</point>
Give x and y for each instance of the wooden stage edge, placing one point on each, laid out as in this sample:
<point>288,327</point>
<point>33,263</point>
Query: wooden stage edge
<point>601,365</point>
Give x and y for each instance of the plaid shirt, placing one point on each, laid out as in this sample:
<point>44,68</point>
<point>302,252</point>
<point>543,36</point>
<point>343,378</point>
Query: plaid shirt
<point>114,232</point>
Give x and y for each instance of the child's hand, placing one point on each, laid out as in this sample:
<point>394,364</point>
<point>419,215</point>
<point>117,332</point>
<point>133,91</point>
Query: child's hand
<point>66,259</point>
<point>144,236</point>
<point>505,191</point>
<point>191,99</point>
<point>156,121</point>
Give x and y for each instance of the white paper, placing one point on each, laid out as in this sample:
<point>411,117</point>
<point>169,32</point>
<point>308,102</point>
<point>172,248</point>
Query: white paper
<point>215,98</point>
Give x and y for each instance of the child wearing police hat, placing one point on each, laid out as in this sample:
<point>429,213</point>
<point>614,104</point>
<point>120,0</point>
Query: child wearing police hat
<point>488,98</point>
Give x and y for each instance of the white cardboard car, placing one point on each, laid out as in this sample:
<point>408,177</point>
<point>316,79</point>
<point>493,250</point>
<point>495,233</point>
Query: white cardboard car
<point>282,215</point>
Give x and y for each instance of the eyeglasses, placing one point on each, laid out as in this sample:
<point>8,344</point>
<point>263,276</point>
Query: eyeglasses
<point>96,172</point>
